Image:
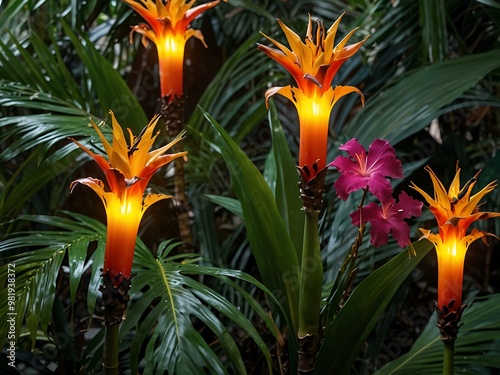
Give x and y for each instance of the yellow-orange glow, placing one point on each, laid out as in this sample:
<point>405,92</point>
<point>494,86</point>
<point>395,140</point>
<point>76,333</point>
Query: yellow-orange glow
<point>313,64</point>
<point>123,219</point>
<point>173,46</point>
<point>314,117</point>
<point>168,27</point>
<point>128,169</point>
<point>451,257</point>
<point>455,210</point>
<point>171,64</point>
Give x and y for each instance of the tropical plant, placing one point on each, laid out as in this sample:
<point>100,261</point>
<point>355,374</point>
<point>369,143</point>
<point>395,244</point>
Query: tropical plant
<point>429,72</point>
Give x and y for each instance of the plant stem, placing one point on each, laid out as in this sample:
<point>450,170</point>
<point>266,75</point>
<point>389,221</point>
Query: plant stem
<point>311,277</point>
<point>172,110</point>
<point>448,358</point>
<point>311,280</point>
<point>110,360</point>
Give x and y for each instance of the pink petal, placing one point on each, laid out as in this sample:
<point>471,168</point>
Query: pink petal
<point>380,186</point>
<point>355,218</point>
<point>380,226</point>
<point>353,148</point>
<point>400,230</point>
<point>382,159</point>
<point>345,164</point>
<point>379,232</point>
<point>407,207</point>
<point>347,183</point>
<point>372,212</point>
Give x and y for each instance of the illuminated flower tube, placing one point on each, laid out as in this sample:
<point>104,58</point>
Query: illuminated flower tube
<point>313,64</point>
<point>128,169</point>
<point>167,27</point>
<point>455,210</point>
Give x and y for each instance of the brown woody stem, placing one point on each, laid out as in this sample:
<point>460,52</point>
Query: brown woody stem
<point>172,110</point>
<point>114,303</point>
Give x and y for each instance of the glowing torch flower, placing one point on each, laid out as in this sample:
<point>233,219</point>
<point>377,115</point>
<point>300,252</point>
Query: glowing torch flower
<point>313,65</point>
<point>167,27</point>
<point>455,211</point>
<point>128,169</point>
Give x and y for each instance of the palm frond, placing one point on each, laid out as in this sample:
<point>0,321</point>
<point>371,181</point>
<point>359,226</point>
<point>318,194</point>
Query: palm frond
<point>476,348</point>
<point>183,300</point>
<point>416,100</point>
<point>38,263</point>
<point>434,30</point>
<point>169,332</point>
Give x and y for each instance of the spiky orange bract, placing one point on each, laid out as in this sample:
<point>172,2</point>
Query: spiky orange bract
<point>455,210</point>
<point>313,64</point>
<point>167,27</point>
<point>128,169</point>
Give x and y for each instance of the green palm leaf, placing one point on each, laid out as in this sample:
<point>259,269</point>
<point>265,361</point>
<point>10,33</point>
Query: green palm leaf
<point>270,242</point>
<point>412,103</point>
<point>362,310</point>
<point>175,344</point>
<point>38,266</point>
<point>112,91</point>
<point>11,11</point>
<point>230,204</point>
<point>476,347</point>
<point>235,96</point>
<point>434,30</point>
<point>282,176</point>
<point>29,178</point>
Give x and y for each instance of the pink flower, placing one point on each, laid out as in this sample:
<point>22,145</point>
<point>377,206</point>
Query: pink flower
<point>389,219</point>
<point>363,169</point>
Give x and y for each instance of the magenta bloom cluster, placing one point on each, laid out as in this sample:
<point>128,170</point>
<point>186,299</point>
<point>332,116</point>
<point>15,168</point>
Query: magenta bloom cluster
<point>369,170</point>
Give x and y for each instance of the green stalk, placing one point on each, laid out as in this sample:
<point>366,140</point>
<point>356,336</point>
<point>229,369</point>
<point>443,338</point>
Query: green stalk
<point>311,277</point>
<point>110,360</point>
<point>448,358</point>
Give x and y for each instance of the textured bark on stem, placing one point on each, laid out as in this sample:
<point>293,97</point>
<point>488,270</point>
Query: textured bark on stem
<point>448,324</point>
<point>307,354</point>
<point>311,189</point>
<point>114,303</point>
<point>172,110</point>
<point>448,321</point>
<point>114,297</point>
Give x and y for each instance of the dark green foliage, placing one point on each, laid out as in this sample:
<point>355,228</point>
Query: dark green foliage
<point>63,63</point>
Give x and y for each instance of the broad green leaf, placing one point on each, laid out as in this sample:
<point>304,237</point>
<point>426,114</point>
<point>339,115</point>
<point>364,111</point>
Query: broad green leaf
<point>417,99</point>
<point>285,181</point>
<point>347,332</point>
<point>97,260</point>
<point>176,345</point>
<point>476,345</point>
<point>270,243</point>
